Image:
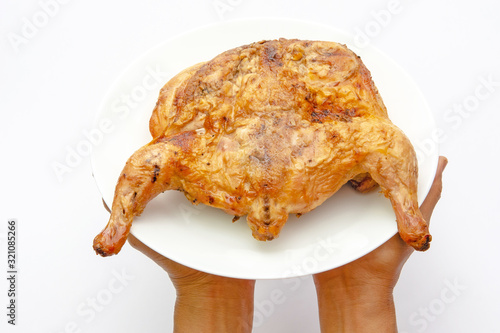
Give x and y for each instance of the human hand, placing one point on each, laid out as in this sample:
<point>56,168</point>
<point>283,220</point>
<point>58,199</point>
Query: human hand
<point>357,297</point>
<point>205,302</point>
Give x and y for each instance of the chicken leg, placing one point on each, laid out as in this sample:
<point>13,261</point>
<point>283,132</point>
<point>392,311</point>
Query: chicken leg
<point>147,173</point>
<point>390,169</point>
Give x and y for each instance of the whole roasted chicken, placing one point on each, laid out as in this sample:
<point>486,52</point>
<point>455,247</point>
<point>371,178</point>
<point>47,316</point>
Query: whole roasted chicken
<point>266,130</point>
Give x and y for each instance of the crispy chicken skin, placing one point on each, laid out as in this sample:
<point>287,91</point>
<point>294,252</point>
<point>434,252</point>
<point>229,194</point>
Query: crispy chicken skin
<point>266,130</point>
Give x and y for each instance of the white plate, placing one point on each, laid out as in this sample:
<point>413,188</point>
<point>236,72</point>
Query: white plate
<point>344,228</point>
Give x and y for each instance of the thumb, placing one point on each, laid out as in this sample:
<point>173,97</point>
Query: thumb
<point>434,194</point>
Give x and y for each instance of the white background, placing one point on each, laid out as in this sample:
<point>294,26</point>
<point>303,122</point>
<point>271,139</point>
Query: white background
<point>59,58</point>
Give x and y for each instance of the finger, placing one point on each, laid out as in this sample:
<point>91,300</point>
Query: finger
<point>174,269</point>
<point>434,194</point>
<point>150,253</point>
<point>105,206</point>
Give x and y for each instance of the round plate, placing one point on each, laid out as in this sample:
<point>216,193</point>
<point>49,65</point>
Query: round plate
<point>345,227</point>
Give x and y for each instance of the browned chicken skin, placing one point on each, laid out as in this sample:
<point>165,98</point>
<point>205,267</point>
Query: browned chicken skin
<point>266,130</point>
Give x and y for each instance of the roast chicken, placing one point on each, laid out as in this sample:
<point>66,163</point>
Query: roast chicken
<point>266,130</point>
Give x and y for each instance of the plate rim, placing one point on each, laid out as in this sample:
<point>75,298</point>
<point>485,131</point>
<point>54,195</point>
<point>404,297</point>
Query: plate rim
<point>258,20</point>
